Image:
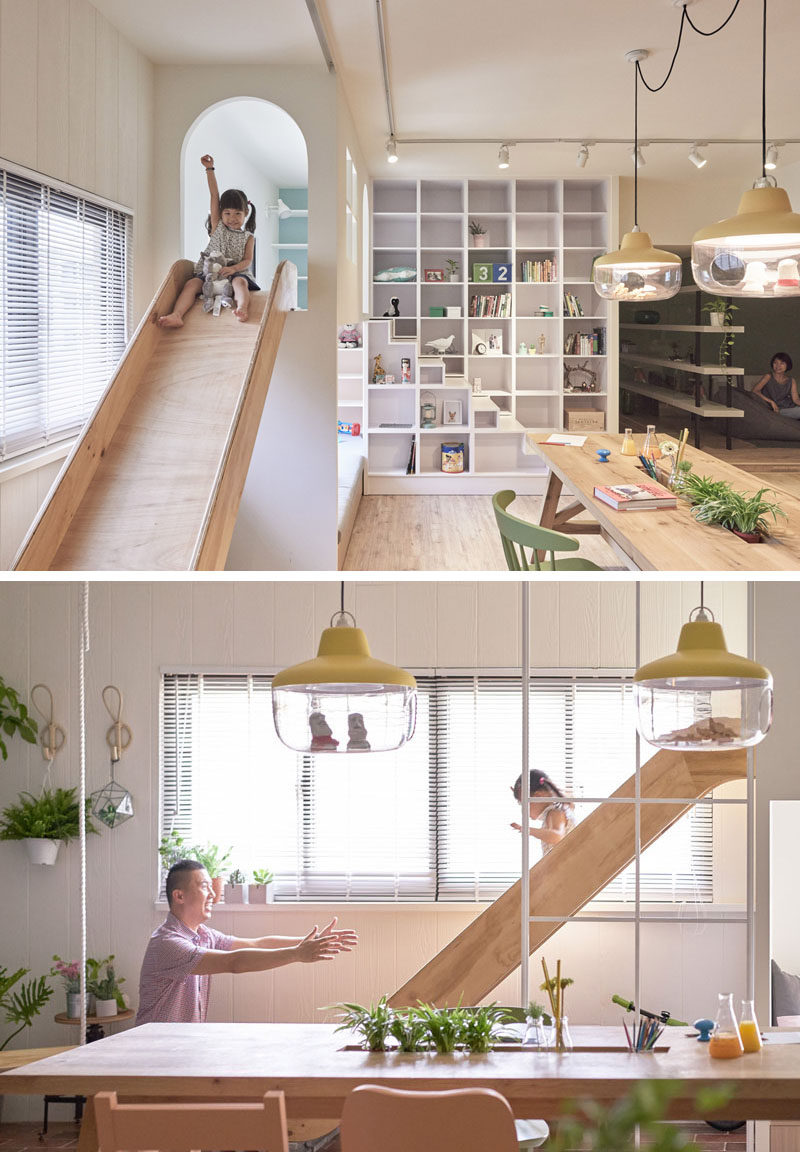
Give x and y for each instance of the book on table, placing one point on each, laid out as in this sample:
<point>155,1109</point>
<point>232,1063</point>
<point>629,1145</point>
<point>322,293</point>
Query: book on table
<point>635,497</point>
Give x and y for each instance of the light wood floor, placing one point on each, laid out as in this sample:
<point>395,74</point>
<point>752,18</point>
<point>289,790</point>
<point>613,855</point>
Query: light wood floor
<point>458,533</point>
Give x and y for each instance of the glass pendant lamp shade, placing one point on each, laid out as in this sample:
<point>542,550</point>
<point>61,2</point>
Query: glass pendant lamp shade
<point>344,700</point>
<point>703,696</point>
<point>637,271</point>
<point>754,253</point>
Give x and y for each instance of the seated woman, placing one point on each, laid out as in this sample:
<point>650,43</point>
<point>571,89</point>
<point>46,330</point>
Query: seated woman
<point>778,389</point>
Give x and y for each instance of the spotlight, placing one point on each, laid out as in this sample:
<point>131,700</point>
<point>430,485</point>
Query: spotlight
<point>502,157</point>
<point>391,150</point>
<point>583,156</point>
<point>771,159</point>
<point>638,156</point>
<point>696,157</point>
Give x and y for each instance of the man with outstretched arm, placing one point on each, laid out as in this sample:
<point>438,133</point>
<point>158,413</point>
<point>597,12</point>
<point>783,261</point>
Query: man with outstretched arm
<point>183,953</point>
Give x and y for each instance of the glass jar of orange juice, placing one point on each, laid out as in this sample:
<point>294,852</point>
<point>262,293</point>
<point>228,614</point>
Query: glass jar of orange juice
<point>628,444</point>
<point>725,1042</point>
<point>748,1028</point>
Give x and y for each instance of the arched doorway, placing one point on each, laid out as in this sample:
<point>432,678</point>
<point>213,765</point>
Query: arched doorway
<point>257,147</point>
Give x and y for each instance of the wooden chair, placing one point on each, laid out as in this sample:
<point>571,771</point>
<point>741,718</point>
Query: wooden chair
<point>517,535</point>
<point>182,1127</point>
<point>393,1120</point>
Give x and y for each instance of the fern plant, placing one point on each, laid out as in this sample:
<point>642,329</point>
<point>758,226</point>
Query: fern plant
<point>14,718</point>
<point>21,1006</point>
<point>52,816</point>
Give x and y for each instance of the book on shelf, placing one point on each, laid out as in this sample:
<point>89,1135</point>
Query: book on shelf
<point>572,305</point>
<point>499,306</point>
<point>538,271</point>
<point>635,497</point>
<point>585,343</point>
<point>412,457</point>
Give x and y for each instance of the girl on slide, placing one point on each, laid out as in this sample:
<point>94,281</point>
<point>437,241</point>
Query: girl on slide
<point>551,815</point>
<point>231,224</point>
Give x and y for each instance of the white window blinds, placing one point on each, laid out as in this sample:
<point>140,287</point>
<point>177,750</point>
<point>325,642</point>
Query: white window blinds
<point>64,307</point>
<point>428,822</point>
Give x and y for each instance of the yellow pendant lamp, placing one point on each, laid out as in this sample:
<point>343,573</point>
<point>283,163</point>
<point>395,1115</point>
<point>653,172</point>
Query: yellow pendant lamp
<point>637,270</point>
<point>703,696</point>
<point>344,700</point>
<point>757,251</point>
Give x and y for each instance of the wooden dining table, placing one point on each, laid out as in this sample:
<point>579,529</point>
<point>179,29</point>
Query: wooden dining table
<point>663,539</point>
<point>317,1067</point>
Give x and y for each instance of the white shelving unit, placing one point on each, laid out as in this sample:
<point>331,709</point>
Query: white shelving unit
<point>420,225</point>
<point>350,385</point>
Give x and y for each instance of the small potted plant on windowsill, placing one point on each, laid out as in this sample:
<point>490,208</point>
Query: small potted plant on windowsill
<point>236,888</point>
<point>480,237</point>
<point>260,891</point>
<point>43,822</point>
<point>214,861</point>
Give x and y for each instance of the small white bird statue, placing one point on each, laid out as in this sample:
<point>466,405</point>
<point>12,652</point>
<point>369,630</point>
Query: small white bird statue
<point>442,345</point>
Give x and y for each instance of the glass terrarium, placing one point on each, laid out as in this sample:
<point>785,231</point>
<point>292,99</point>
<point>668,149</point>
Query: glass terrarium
<point>754,253</point>
<point>344,700</point>
<point>703,697</point>
<point>112,804</point>
<point>637,271</point>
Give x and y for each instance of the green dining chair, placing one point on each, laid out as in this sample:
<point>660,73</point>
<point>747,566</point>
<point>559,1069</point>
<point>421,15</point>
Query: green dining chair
<point>517,535</point>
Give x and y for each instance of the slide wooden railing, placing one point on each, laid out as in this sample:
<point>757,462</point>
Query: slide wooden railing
<point>155,479</point>
<point>562,882</point>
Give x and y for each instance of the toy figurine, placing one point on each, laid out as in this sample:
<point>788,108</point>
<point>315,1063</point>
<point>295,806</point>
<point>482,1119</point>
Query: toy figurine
<point>321,734</point>
<point>378,371</point>
<point>357,733</point>
<point>542,344</point>
<point>395,307</point>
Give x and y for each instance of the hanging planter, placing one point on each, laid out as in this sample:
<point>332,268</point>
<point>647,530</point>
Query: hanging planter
<point>41,850</point>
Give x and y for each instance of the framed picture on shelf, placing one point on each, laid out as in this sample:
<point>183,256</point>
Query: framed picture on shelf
<point>434,275</point>
<point>487,342</point>
<point>451,412</point>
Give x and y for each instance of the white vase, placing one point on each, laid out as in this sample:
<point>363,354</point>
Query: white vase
<point>105,1007</point>
<point>717,319</point>
<point>42,851</point>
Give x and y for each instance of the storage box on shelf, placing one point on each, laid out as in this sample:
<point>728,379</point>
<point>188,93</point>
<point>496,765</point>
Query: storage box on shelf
<point>540,239</point>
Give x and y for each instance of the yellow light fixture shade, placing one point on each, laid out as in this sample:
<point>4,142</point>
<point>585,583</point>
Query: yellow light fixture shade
<point>703,696</point>
<point>637,271</point>
<point>754,253</point>
<point>344,700</point>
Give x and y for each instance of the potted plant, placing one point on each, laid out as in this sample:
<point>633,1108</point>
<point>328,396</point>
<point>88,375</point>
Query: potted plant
<point>478,233</point>
<point>14,718</point>
<point>452,270</point>
<point>173,848</point>
<point>745,516</point>
<point>236,888</point>
<point>70,974</point>
<point>374,1023</point>
<point>213,860</point>
<point>106,989</point>
<point>260,891</point>
<point>720,311</point>
<point>27,1001</point>
<point>43,822</point>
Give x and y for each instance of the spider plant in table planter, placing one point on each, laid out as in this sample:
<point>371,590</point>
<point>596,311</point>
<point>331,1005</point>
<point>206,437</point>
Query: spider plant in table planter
<point>746,516</point>
<point>481,1027</point>
<point>372,1022</point>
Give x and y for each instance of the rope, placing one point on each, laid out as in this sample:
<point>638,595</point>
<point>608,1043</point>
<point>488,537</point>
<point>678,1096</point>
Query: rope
<point>83,649</point>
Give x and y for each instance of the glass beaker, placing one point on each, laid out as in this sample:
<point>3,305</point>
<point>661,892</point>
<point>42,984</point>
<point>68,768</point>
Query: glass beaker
<point>628,444</point>
<point>561,1038</point>
<point>725,1042</point>
<point>748,1027</point>
<point>651,449</point>
<point>535,1034</point>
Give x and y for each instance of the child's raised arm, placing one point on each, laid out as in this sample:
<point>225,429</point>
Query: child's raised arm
<point>208,163</point>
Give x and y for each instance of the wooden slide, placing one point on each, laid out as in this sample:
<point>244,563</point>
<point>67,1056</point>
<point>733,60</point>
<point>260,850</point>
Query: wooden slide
<point>155,479</point>
<point>574,871</point>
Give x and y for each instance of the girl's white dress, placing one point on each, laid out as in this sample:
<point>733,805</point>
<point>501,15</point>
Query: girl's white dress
<point>230,242</point>
<point>569,815</point>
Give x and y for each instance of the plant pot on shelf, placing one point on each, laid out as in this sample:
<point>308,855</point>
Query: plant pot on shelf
<point>717,319</point>
<point>481,240</point>
<point>105,1007</point>
<point>235,893</point>
<point>454,277</point>
<point>42,851</point>
<point>74,1005</point>
<point>260,893</point>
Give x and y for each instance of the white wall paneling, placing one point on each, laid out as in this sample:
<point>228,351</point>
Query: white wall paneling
<point>138,628</point>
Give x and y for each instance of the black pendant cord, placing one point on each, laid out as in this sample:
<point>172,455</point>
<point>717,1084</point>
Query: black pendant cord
<point>764,94</point>
<point>702,595</point>
<point>341,597</point>
<point>686,19</point>
<point>636,148</point>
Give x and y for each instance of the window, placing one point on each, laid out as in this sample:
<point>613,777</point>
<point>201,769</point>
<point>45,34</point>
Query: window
<point>351,203</point>
<point>64,304</point>
<point>428,822</point>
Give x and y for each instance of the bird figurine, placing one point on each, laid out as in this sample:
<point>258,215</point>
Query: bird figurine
<point>442,345</point>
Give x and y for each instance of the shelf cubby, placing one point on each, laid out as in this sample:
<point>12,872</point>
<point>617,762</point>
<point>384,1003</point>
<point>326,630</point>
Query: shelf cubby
<point>441,196</point>
<point>537,196</point>
<point>397,231</point>
<point>442,231</point>
<point>488,196</point>
<point>394,196</point>
<point>430,450</point>
<point>387,455</point>
<point>405,293</point>
<point>585,196</point>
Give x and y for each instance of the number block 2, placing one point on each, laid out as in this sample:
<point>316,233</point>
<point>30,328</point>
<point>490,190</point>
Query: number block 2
<point>501,273</point>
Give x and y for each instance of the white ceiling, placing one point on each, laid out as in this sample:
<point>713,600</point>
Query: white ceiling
<point>516,68</point>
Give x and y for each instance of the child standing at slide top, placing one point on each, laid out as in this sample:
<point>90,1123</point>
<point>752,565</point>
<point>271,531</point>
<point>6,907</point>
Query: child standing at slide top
<point>554,814</point>
<point>231,224</point>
